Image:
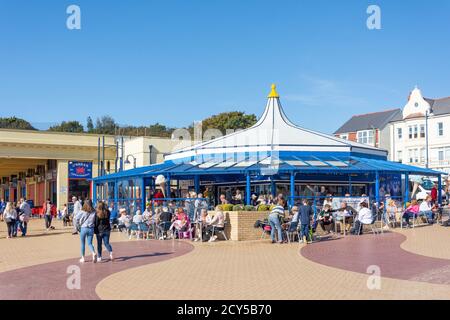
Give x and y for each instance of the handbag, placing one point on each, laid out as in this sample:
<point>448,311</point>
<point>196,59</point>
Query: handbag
<point>8,220</point>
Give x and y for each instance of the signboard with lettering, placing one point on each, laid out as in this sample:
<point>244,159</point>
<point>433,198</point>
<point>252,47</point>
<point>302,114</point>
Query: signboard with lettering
<point>80,170</point>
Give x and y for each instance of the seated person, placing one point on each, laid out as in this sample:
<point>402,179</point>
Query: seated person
<point>292,220</point>
<point>427,209</point>
<point>147,215</point>
<point>180,222</point>
<point>345,212</point>
<point>201,224</point>
<point>124,220</point>
<point>164,221</point>
<point>137,218</point>
<point>365,216</point>
<point>326,220</point>
<point>113,217</point>
<point>411,211</point>
<point>217,222</point>
<point>391,211</point>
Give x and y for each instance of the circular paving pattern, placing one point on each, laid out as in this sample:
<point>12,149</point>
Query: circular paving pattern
<point>358,253</point>
<point>49,280</point>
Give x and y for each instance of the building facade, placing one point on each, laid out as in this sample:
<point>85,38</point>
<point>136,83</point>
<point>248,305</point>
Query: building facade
<point>371,129</point>
<point>420,135</point>
<point>417,134</point>
<point>40,165</point>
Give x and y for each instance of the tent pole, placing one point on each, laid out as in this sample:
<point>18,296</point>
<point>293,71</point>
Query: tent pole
<point>291,199</point>
<point>247,190</point>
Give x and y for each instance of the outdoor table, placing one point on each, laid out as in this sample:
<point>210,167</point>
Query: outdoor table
<point>344,216</point>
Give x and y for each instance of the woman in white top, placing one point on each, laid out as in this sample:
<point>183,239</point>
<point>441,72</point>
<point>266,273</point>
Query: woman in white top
<point>365,216</point>
<point>217,222</point>
<point>86,221</point>
<point>10,217</point>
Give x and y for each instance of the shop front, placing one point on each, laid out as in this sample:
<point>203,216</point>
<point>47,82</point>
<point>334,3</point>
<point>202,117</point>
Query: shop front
<point>80,176</point>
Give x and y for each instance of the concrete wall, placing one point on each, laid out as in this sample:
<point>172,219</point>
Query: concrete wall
<point>139,148</point>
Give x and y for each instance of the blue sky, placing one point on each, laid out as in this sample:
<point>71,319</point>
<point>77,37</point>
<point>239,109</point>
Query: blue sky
<point>178,61</point>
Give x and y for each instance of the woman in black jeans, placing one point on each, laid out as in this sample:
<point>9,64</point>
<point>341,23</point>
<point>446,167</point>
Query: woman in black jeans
<point>10,217</point>
<point>102,230</point>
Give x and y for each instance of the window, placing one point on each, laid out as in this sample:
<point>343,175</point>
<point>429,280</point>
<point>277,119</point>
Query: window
<point>399,156</point>
<point>422,155</point>
<point>413,155</point>
<point>344,136</point>
<point>366,137</point>
<point>441,155</point>
<point>399,133</point>
<point>440,129</point>
<point>422,131</point>
<point>410,132</point>
<point>416,132</point>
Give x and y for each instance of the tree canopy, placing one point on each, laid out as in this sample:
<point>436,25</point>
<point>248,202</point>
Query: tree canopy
<point>229,120</point>
<point>15,123</point>
<point>107,125</point>
<point>68,126</point>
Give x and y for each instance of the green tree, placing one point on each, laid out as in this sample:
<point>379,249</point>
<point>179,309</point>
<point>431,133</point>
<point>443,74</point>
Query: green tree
<point>229,120</point>
<point>68,126</point>
<point>90,125</point>
<point>105,125</point>
<point>15,123</point>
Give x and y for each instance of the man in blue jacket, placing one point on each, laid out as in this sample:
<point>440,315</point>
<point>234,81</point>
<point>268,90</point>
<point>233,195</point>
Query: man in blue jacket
<point>305,213</point>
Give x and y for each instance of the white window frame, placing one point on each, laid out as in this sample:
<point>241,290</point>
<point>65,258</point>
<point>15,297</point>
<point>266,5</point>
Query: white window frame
<point>440,129</point>
<point>399,133</point>
<point>366,137</point>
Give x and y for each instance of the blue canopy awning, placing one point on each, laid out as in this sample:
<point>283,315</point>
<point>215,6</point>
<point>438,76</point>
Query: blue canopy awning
<point>272,164</point>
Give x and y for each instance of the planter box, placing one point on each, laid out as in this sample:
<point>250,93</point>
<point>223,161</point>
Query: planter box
<point>240,224</point>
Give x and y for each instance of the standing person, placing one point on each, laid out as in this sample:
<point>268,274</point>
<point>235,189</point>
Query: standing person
<point>47,208</point>
<point>2,208</point>
<point>86,222</point>
<point>199,204</point>
<point>305,213</point>
<point>75,213</point>
<point>434,194</point>
<point>25,214</point>
<point>102,230</point>
<point>275,217</point>
<point>10,217</point>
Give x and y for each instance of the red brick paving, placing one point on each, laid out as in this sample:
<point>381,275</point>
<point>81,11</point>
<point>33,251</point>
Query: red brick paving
<point>357,253</point>
<point>48,281</point>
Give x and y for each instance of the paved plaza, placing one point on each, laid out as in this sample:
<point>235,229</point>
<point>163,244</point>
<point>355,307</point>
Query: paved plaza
<point>413,264</point>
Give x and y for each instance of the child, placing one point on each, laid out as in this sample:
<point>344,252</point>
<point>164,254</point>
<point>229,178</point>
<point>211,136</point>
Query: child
<point>305,213</point>
<point>65,216</point>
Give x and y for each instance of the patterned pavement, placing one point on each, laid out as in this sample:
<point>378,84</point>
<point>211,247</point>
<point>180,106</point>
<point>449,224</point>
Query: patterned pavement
<point>412,261</point>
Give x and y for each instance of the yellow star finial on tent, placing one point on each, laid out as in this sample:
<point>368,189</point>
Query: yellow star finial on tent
<point>273,93</point>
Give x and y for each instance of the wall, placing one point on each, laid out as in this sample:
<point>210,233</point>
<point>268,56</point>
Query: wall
<point>240,224</point>
<point>139,148</point>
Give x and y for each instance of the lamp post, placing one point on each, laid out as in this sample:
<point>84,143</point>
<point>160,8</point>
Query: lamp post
<point>128,161</point>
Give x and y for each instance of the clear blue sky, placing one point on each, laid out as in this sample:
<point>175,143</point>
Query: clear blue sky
<point>177,61</point>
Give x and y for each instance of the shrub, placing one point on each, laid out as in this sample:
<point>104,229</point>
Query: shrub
<point>263,207</point>
<point>219,207</point>
<point>249,208</point>
<point>238,207</point>
<point>227,207</point>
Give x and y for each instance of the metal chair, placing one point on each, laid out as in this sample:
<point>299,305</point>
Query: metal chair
<point>219,231</point>
<point>371,225</point>
<point>292,231</point>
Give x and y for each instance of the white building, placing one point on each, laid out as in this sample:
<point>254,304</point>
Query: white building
<point>408,133</point>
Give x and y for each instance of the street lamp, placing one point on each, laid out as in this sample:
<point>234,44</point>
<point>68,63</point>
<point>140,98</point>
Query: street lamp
<point>128,161</point>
